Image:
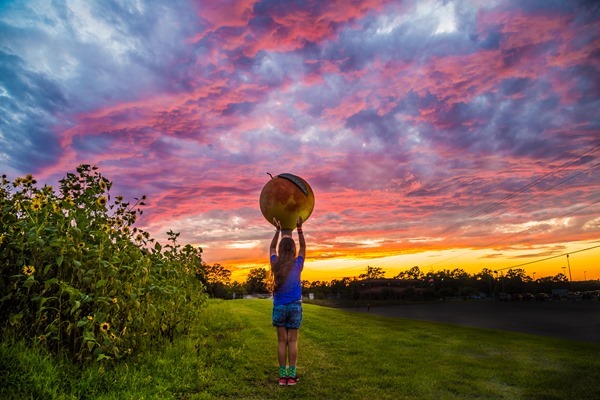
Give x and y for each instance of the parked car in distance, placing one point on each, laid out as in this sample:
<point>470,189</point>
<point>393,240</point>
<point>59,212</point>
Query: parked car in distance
<point>528,297</point>
<point>503,296</point>
<point>542,297</point>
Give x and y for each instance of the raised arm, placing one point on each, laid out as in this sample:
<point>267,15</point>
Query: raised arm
<point>301,241</point>
<point>273,248</point>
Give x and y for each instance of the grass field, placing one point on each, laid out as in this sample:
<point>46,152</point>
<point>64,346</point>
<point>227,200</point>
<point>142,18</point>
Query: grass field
<point>232,354</point>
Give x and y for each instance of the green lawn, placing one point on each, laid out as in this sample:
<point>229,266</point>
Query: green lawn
<point>343,355</point>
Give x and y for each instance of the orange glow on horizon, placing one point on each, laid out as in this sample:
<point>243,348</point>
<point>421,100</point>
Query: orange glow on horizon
<point>583,264</point>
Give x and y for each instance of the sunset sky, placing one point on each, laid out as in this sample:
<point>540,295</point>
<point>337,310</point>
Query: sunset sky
<point>443,134</point>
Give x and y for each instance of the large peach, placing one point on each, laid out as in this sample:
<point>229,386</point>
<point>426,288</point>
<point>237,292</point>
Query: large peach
<point>286,197</point>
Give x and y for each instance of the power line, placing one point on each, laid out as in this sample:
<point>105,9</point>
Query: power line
<point>516,205</point>
<point>536,195</point>
<point>514,194</point>
<point>510,196</point>
<point>546,259</point>
<point>513,235</point>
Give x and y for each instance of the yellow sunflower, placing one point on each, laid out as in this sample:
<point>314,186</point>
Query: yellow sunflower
<point>102,185</point>
<point>104,327</point>
<point>28,270</point>
<point>36,204</point>
<point>28,179</point>
<point>101,201</point>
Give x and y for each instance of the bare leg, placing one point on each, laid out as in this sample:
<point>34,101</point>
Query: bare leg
<point>282,343</point>
<point>292,346</point>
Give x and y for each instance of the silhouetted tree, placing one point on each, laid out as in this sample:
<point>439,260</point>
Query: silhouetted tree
<point>217,280</point>
<point>256,281</point>
<point>514,281</point>
<point>484,281</point>
<point>412,274</point>
<point>373,273</point>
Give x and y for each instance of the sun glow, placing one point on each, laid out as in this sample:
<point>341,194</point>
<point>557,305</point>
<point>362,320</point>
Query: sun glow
<point>547,260</point>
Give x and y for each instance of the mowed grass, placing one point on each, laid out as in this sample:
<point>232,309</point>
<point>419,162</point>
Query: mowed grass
<point>343,355</point>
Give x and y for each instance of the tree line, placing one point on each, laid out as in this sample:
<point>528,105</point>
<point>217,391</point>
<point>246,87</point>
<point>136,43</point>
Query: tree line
<point>410,284</point>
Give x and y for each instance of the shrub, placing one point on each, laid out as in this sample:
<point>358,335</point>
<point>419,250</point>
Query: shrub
<point>77,277</point>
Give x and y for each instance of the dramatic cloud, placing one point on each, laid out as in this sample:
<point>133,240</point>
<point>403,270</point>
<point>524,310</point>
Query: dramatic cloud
<point>422,126</point>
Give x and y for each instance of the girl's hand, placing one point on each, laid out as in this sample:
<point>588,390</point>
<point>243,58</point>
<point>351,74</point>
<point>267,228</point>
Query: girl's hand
<point>277,223</point>
<point>299,223</point>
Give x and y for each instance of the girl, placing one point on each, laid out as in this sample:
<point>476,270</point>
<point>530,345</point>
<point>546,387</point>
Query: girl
<point>286,269</point>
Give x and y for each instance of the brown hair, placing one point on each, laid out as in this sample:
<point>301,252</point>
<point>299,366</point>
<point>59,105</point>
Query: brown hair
<point>286,256</point>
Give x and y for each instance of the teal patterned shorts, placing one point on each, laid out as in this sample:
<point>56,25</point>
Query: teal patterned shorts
<point>288,315</point>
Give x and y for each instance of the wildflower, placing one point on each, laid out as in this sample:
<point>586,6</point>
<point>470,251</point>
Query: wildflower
<point>42,338</point>
<point>102,185</point>
<point>81,245</point>
<point>104,327</point>
<point>69,200</point>
<point>28,270</point>
<point>125,230</point>
<point>55,208</point>
<point>28,180</point>
<point>36,204</point>
<point>43,318</point>
<point>90,318</point>
<point>101,201</point>
<point>115,300</point>
<point>139,237</point>
<point>106,228</point>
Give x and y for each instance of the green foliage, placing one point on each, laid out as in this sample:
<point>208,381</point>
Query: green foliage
<point>78,278</point>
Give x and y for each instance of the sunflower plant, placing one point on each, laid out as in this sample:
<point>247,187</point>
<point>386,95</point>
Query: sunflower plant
<point>77,276</point>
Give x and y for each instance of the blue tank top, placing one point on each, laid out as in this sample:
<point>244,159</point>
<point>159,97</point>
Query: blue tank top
<point>291,290</point>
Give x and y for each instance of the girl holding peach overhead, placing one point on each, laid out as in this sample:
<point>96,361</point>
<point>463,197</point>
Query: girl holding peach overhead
<point>286,271</point>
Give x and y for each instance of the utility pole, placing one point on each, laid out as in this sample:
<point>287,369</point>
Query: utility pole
<point>570,277</point>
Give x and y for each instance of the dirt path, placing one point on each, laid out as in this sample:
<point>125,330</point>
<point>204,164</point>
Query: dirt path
<point>563,319</point>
